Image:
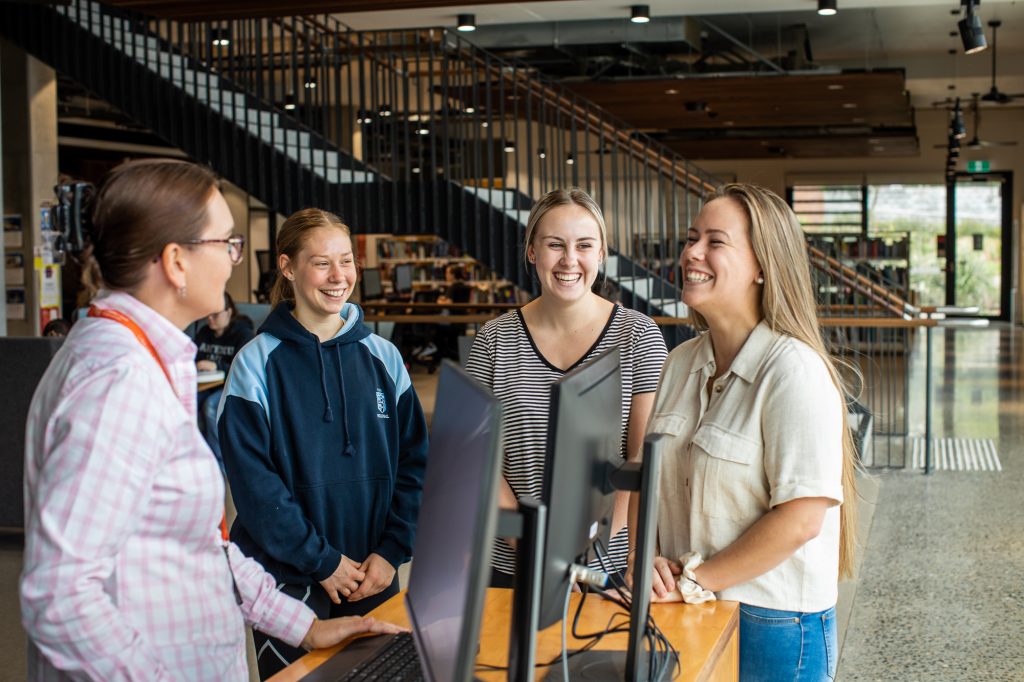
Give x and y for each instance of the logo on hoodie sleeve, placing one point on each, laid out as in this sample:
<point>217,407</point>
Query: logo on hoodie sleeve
<point>382,405</point>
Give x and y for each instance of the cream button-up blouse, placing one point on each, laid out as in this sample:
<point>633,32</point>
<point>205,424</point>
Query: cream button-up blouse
<point>769,432</point>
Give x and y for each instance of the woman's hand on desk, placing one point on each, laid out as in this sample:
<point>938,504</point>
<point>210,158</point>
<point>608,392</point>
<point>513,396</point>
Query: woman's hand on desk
<point>325,633</point>
<point>379,574</point>
<point>665,578</point>
<point>206,365</point>
<point>344,581</point>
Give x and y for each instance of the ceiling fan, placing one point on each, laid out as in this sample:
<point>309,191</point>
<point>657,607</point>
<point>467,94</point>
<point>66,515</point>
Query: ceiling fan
<point>976,142</point>
<point>994,94</point>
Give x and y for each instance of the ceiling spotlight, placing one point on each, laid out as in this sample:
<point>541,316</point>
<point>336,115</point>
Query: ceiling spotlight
<point>826,8</point>
<point>671,91</point>
<point>470,110</point>
<point>541,154</point>
<point>640,14</point>
<point>289,102</point>
<point>972,35</point>
<point>220,37</point>
<point>310,84</point>
<point>484,124</point>
<point>509,146</point>
<point>384,111</point>
<point>466,23</point>
<point>415,170</point>
<point>423,131</point>
<point>570,159</point>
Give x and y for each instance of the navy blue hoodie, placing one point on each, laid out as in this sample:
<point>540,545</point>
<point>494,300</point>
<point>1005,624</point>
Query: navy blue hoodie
<point>324,446</point>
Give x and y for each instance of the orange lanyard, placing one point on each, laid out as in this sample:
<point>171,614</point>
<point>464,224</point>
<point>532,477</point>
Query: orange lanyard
<point>140,335</point>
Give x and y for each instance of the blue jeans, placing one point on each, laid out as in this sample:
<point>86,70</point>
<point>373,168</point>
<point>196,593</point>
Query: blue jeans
<point>208,402</point>
<point>787,646</point>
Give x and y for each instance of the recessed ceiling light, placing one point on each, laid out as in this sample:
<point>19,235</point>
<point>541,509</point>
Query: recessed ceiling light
<point>849,105</point>
<point>671,91</point>
<point>879,149</point>
<point>858,120</point>
<point>835,86</point>
<point>728,123</point>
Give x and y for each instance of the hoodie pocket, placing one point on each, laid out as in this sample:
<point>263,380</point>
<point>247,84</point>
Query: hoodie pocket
<point>351,515</point>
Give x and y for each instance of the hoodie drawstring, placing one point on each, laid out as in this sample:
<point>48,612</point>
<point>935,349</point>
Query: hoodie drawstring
<point>328,415</point>
<point>349,449</point>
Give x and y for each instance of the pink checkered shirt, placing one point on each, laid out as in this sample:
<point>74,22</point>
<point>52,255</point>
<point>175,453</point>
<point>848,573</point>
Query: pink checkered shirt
<point>125,576</point>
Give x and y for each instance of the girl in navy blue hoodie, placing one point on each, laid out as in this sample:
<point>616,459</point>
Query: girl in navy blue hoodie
<point>323,437</point>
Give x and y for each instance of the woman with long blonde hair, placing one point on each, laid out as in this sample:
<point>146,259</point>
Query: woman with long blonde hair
<point>760,463</point>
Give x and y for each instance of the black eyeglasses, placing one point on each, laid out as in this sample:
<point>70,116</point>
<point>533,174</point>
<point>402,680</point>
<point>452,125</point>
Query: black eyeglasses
<point>236,246</point>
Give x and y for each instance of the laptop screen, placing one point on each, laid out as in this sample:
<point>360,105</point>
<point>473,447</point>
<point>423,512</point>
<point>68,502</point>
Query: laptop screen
<point>457,521</point>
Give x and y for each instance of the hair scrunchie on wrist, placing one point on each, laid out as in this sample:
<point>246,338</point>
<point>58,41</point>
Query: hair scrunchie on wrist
<point>692,592</point>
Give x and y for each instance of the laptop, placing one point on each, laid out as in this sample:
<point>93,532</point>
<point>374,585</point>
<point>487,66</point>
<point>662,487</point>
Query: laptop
<point>452,562</point>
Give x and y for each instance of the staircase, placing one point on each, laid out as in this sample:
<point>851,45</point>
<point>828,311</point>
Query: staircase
<point>242,111</point>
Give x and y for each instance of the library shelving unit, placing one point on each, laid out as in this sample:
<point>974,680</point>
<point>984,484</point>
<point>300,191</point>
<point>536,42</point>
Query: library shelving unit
<point>429,257</point>
<point>882,257</point>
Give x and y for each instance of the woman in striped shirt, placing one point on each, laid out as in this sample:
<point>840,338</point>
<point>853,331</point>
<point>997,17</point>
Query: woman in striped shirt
<point>520,354</point>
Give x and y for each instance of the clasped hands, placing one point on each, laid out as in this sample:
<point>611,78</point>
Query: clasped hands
<point>355,581</point>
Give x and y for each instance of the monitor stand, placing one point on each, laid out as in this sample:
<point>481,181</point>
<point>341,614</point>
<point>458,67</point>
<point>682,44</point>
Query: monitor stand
<point>629,665</point>
<point>528,526</point>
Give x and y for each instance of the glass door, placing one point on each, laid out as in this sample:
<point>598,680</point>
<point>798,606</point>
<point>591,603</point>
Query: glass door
<point>978,243</point>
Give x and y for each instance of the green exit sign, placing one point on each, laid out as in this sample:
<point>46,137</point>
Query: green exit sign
<point>977,166</point>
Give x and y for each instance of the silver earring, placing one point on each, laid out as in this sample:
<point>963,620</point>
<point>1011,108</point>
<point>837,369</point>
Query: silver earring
<point>760,279</point>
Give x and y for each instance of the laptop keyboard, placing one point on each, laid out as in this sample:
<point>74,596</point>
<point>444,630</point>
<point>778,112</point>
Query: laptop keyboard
<point>396,662</point>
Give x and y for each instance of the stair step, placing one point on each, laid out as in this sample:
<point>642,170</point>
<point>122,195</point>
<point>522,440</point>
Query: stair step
<point>519,215</point>
<point>505,199</point>
<point>345,176</point>
<point>610,267</point>
<point>671,308</point>
<point>640,286</point>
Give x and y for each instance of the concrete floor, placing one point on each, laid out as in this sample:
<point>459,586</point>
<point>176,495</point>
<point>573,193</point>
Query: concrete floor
<point>940,592</point>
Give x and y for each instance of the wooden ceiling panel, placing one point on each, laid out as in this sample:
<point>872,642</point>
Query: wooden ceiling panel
<point>876,99</point>
<point>821,147</point>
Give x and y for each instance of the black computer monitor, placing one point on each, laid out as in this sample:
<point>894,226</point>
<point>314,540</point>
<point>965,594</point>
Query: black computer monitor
<point>402,278</point>
<point>584,445</point>
<point>456,527</point>
<point>370,284</point>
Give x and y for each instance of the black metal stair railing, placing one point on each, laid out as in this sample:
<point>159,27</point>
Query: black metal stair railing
<point>399,131</point>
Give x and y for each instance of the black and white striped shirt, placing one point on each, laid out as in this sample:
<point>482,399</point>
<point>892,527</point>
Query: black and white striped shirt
<point>505,358</point>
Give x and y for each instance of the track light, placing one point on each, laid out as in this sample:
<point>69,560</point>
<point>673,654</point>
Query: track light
<point>826,8</point>
<point>972,35</point>
<point>640,14</point>
<point>466,23</point>
<point>384,111</point>
<point>289,102</point>
<point>509,146</point>
<point>310,84</point>
<point>958,128</point>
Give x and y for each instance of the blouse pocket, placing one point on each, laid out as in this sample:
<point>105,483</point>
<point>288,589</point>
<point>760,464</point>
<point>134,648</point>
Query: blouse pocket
<point>732,473</point>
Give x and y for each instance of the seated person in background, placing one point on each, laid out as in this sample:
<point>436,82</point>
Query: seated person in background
<point>223,336</point>
<point>57,327</point>
<point>456,290</point>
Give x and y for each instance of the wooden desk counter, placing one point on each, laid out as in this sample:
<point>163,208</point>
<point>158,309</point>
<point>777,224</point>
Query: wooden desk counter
<point>706,636</point>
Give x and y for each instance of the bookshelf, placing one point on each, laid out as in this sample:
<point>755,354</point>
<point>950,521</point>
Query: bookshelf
<point>430,257</point>
<point>882,257</point>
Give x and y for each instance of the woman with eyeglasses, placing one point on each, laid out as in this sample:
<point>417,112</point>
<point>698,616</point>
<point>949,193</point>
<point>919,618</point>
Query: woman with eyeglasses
<point>218,342</point>
<point>324,440</point>
<point>128,573</point>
